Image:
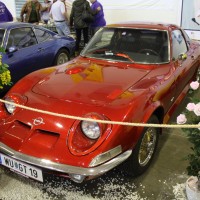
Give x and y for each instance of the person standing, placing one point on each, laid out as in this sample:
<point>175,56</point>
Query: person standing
<point>31,9</point>
<point>5,15</point>
<point>46,9</point>
<point>59,15</point>
<point>99,20</point>
<point>76,20</point>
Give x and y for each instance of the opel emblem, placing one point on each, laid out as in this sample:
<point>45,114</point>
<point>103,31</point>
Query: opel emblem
<point>38,121</point>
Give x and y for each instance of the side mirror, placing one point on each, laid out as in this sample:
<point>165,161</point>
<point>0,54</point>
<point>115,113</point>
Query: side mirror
<point>12,49</point>
<point>182,56</point>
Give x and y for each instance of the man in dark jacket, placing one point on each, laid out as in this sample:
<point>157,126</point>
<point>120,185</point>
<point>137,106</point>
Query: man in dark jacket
<point>77,20</point>
<point>5,15</point>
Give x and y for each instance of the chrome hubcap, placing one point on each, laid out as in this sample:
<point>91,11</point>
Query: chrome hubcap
<point>147,146</point>
<point>62,58</point>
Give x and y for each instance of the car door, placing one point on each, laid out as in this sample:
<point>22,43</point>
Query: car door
<point>184,62</point>
<point>46,46</point>
<point>23,52</point>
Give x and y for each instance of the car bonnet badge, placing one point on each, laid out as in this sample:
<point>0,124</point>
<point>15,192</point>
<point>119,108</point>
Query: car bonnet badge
<point>38,121</point>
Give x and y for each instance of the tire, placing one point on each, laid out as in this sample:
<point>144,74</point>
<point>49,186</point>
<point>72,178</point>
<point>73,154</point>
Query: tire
<point>144,150</point>
<point>61,57</point>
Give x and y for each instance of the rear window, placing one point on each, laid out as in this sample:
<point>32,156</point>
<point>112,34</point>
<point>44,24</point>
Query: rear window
<point>42,35</point>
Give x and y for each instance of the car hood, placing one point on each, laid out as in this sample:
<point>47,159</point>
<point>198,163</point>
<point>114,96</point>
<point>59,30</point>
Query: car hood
<point>88,82</point>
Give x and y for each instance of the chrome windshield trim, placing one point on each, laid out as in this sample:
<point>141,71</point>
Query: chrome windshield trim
<point>47,164</point>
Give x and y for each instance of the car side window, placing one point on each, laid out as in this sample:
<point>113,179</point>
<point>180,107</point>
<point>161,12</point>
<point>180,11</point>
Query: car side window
<point>179,45</point>
<point>21,38</point>
<point>2,31</point>
<point>42,35</point>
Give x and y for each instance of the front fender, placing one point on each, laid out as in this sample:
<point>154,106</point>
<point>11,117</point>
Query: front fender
<point>27,82</point>
<point>154,108</point>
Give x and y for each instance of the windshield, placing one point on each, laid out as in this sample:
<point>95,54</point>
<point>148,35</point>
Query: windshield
<point>2,31</point>
<point>129,45</point>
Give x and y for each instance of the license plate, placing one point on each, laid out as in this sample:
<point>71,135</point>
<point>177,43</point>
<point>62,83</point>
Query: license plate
<point>21,168</point>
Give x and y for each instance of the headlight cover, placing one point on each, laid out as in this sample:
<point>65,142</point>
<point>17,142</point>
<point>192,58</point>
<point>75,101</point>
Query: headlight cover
<point>14,98</point>
<point>87,135</point>
<point>9,107</point>
<point>91,129</point>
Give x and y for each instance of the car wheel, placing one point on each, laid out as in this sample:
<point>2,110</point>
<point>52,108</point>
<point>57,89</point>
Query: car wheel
<point>144,150</point>
<point>61,57</point>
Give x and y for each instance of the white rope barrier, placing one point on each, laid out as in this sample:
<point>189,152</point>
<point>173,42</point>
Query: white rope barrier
<point>104,121</point>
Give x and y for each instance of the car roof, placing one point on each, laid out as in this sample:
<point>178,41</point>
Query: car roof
<point>11,25</point>
<point>145,25</point>
<point>8,25</point>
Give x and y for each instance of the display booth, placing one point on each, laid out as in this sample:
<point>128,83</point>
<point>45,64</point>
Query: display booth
<point>184,13</point>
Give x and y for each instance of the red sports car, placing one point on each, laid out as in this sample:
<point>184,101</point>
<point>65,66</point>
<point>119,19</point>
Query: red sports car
<point>69,119</point>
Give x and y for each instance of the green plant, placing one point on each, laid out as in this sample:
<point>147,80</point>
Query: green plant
<point>5,78</point>
<point>191,115</point>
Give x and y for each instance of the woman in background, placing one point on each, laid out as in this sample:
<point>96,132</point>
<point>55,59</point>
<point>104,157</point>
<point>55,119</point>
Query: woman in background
<point>46,9</point>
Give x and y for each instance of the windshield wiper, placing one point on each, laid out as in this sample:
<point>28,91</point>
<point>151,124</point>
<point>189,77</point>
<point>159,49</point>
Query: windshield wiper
<point>98,51</point>
<point>119,54</point>
<point>106,52</point>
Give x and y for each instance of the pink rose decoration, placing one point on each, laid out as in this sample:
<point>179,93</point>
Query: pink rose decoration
<point>190,106</point>
<point>181,119</point>
<point>197,109</point>
<point>194,85</point>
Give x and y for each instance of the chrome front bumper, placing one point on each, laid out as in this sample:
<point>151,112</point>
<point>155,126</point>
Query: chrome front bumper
<point>68,169</point>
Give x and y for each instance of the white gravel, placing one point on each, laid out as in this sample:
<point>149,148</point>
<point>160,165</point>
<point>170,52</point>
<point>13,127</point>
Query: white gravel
<point>15,187</point>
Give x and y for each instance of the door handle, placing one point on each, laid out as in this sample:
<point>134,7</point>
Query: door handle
<point>40,49</point>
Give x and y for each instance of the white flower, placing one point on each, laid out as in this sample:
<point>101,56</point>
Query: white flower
<point>181,119</point>
<point>194,85</point>
<point>190,106</point>
<point>197,109</point>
